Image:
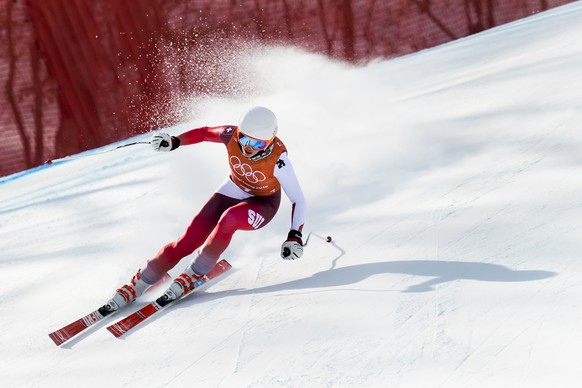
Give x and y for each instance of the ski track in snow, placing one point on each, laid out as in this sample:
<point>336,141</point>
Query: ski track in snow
<point>250,304</point>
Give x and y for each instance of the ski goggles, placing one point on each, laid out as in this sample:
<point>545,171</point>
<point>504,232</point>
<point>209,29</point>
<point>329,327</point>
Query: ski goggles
<point>252,143</point>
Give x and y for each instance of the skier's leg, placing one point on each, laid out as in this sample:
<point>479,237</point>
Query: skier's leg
<point>250,214</point>
<point>196,233</point>
<point>199,229</point>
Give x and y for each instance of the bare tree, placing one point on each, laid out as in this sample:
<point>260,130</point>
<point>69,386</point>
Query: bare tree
<point>479,15</point>
<point>425,7</point>
<point>324,27</point>
<point>10,85</point>
<point>348,30</point>
<point>37,90</point>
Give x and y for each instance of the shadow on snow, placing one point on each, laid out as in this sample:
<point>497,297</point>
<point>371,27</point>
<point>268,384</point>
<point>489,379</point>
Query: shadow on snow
<point>439,272</point>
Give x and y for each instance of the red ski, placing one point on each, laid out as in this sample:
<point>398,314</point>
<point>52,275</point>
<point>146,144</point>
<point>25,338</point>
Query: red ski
<point>123,326</point>
<point>64,334</point>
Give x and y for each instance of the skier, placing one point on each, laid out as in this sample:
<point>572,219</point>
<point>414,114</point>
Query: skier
<point>247,200</point>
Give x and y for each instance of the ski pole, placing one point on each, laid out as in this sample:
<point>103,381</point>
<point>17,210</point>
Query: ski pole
<point>331,241</point>
<point>326,239</point>
<point>50,161</point>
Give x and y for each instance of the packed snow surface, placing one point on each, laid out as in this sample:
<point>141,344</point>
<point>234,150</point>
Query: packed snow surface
<point>450,181</point>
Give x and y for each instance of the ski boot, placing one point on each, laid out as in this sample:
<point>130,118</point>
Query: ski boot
<point>127,293</point>
<point>180,286</point>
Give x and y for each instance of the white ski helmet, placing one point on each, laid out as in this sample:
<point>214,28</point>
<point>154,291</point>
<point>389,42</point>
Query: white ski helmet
<point>258,123</point>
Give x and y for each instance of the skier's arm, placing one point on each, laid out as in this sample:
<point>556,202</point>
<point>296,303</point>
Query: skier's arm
<point>165,142</point>
<point>292,248</point>
<point>286,175</point>
<point>198,135</point>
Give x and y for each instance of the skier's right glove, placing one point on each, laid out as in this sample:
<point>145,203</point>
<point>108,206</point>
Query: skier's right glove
<point>165,142</point>
<point>292,248</point>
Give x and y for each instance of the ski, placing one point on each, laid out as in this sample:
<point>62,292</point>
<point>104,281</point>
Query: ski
<point>67,332</point>
<point>64,334</point>
<point>123,326</point>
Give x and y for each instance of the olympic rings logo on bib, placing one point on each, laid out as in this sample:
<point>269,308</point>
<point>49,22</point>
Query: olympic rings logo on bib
<point>246,171</point>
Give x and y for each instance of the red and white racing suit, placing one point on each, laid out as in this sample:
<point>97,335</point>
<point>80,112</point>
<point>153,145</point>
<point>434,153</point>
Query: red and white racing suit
<point>248,199</point>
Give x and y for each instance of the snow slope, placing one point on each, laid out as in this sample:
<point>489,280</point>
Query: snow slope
<point>449,179</point>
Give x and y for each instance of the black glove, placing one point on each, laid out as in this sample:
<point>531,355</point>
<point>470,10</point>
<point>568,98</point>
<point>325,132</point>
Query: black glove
<point>292,248</point>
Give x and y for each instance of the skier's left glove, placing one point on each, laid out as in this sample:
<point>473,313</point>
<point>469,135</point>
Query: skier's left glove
<point>165,142</point>
<point>292,248</point>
